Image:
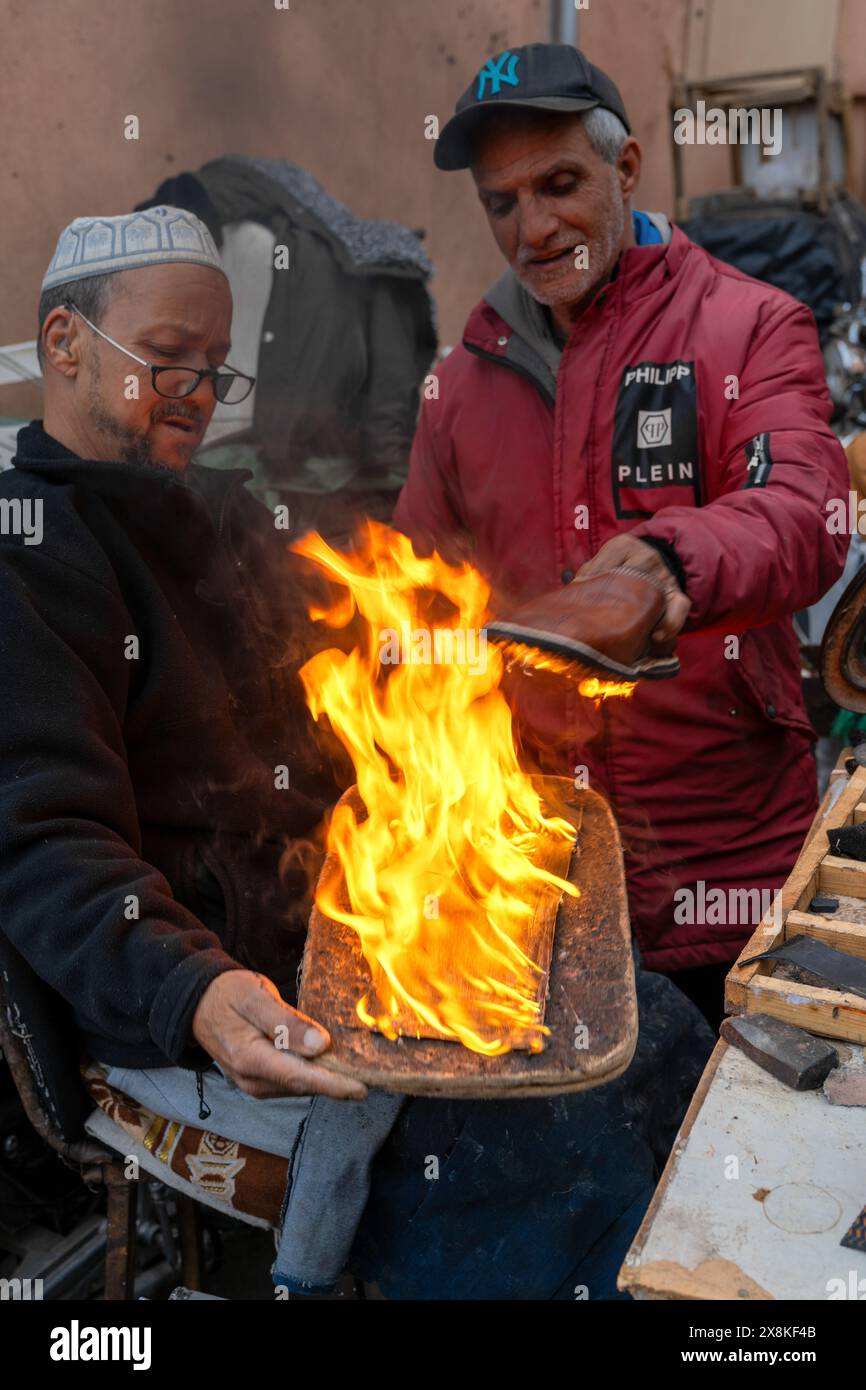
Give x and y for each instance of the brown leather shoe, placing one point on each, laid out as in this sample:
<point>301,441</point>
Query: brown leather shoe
<point>603,621</point>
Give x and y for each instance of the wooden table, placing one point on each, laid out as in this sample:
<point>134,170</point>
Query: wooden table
<point>760,1187</point>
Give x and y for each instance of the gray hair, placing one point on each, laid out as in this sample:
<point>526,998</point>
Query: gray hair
<point>605,132</point>
<point>90,295</point>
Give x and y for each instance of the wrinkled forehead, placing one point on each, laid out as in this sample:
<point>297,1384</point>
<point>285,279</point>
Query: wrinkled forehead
<point>515,133</point>
<point>192,300</point>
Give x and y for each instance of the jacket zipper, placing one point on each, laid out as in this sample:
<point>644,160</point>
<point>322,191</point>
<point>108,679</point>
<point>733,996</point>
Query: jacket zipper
<point>251,596</point>
<point>551,402</point>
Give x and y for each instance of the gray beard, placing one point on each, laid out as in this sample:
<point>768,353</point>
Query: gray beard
<point>128,445</point>
<point>601,254</point>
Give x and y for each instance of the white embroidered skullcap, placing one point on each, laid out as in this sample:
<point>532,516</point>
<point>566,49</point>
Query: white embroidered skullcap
<point>157,236</point>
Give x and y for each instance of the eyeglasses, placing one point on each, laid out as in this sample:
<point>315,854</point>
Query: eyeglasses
<point>230,388</point>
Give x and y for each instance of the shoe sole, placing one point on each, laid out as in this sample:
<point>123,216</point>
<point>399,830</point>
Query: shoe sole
<point>651,668</point>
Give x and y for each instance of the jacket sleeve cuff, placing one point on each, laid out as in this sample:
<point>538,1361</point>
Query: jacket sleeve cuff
<point>173,1008</point>
<point>670,557</point>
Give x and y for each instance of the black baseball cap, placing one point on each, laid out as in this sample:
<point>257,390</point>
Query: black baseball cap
<point>541,76</point>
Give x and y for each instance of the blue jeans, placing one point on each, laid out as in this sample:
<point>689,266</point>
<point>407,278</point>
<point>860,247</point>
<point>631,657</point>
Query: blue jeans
<point>532,1199</point>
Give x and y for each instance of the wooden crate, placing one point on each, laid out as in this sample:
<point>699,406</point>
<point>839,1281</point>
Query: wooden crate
<point>759,988</point>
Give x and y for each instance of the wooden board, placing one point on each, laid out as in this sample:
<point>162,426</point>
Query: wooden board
<point>591,1008</point>
<point>766,986</point>
<point>781,34</point>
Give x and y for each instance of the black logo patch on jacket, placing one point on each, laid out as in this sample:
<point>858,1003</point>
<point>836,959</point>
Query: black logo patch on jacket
<point>654,460</point>
<point>758,461</point>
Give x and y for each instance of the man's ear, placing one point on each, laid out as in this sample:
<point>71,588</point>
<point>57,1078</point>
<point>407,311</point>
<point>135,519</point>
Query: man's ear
<point>628,165</point>
<point>61,341</point>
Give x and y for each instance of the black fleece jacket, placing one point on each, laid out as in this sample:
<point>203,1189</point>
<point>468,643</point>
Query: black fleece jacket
<point>149,646</point>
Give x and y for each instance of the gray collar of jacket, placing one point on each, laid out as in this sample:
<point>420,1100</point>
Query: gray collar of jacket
<point>533,346</point>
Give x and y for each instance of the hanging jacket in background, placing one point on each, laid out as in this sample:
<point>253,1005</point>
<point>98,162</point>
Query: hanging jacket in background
<point>348,334</point>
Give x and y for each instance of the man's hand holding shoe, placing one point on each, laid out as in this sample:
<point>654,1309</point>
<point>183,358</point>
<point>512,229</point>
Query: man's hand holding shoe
<point>620,615</point>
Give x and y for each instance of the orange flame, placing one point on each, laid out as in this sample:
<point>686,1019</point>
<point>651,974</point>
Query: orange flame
<point>595,689</point>
<point>440,877</point>
<point>534,659</point>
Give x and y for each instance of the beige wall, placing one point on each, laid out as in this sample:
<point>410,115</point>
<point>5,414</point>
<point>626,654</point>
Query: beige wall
<point>641,46</point>
<point>340,86</point>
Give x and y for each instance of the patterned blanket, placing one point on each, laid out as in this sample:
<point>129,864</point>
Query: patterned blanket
<point>240,1178</point>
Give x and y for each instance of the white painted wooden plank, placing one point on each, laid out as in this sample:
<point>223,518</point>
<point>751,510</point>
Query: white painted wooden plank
<point>18,362</point>
<point>801,1181</point>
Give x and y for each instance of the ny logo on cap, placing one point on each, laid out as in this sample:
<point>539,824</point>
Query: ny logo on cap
<point>492,72</point>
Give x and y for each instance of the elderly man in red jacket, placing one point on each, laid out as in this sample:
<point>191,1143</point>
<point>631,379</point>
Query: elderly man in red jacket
<point>623,405</point>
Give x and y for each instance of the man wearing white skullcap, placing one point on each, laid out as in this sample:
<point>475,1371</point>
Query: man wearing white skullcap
<point>152,627</point>
<point>134,321</point>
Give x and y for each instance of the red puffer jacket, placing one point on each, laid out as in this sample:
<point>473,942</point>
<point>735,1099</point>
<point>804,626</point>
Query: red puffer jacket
<point>689,405</point>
